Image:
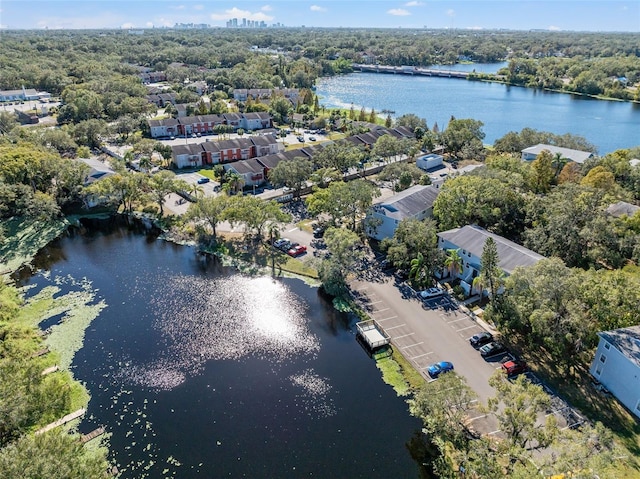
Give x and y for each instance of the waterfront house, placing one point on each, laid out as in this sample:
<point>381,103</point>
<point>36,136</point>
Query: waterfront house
<point>577,156</point>
<point>413,203</point>
<point>616,365</point>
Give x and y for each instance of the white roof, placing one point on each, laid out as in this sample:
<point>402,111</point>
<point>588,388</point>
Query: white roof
<point>576,156</point>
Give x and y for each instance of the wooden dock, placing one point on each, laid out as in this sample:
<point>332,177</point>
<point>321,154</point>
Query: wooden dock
<point>63,420</point>
<point>50,370</point>
<point>40,352</point>
<point>372,334</point>
<point>92,435</point>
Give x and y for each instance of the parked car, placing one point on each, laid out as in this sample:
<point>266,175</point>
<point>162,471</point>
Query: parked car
<point>301,139</point>
<point>480,339</point>
<point>312,138</point>
<point>431,293</point>
<point>280,241</point>
<point>514,367</point>
<point>318,232</point>
<point>491,349</point>
<point>436,369</point>
<point>202,181</point>
<point>297,250</point>
<point>284,244</point>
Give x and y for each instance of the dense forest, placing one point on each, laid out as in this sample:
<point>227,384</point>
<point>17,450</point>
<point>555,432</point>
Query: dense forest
<point>602,63</point>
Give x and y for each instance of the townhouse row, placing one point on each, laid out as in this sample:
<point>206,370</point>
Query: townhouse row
<point>205,124</point>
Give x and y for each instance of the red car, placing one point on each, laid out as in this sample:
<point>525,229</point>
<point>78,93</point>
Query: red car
<point>297,250</point>
<point>515,367</point>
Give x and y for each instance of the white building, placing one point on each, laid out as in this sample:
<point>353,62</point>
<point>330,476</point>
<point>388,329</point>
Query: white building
<point>469,241</point>
<point>413,203</point>
<point>577,156</point>
<point>429,162</point>
<point>617,365</point>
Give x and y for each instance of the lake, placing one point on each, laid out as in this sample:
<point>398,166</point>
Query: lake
<point>609,125</point>
<point>198,371</point>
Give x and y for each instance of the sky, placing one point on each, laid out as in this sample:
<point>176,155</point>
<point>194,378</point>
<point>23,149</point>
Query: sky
<point>560,15</point>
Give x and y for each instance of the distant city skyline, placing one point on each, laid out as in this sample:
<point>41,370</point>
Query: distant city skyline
<point>562,15</point>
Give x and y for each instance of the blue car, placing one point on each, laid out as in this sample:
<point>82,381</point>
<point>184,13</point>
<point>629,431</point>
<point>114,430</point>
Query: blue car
<point>202,181</point>
<point>437,369</point>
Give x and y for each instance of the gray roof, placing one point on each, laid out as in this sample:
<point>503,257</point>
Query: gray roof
<point>471,238</point>
<point>263,140</point>
<point>97,170</point>
<point>245,166</point>
<point>271,161</point>
<point>409,202</point>
<point>625,340</point>
<point>576,156</point>
<point>193,149</point>
<point>622,208</point>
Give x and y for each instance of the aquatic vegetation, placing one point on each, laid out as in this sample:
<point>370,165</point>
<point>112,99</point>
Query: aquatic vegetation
<point>392,374</point>
<point>78,309</point>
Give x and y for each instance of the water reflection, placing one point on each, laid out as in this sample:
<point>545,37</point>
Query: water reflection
<point>204,319</point>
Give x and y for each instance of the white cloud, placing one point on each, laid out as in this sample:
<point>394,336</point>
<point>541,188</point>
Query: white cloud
<point>317,8</point>
<point>266,8</point>
<point>414,3</point>
<point>177,7</point>
<point>149,24</point>
<point>451,12</point>
<point>198,7</point>
<point>554,28</point>
<point>235,12</point>
<point>399,12</point>
<point>127,25</point>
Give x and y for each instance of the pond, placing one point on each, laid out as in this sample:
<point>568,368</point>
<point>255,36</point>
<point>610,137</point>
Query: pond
<point>198,371</point>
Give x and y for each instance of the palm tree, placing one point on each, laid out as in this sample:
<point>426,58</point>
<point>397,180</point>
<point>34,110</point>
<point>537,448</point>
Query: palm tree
<point>234,180</point>
<point>558,162</point>
<point>419,271</point>
<point>453,262</point>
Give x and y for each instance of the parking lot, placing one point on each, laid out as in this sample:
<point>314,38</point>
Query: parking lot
<point>437,329</point>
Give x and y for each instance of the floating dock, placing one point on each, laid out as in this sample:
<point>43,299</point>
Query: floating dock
<point>372,334</point>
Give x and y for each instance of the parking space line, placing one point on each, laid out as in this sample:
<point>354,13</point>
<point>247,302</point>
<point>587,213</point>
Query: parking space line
<point>412,345</point>
<point>403,336</point>
<point>292,230</point>
<point>394,327</point>
<point>375,302</point>
<point>420,355</point>
<point>456,320</point>
<point>494,432</point>
<point>468,327</point>
<point>385,319</point>
<point>478,417</point>
<point>380,310</point>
